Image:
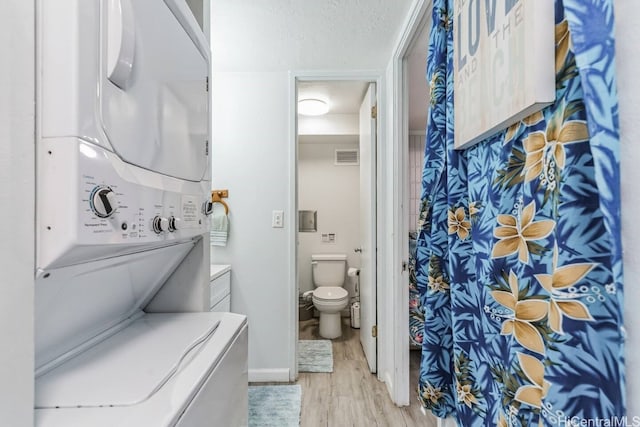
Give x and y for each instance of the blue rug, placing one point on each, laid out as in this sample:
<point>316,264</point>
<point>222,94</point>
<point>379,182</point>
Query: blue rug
<point>274,405</point>
<point>315,356</point>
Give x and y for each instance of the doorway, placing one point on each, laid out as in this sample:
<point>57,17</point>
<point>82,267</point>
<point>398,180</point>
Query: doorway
<point>335,189</point>
<point>414,145</point>
<point>409,83</point>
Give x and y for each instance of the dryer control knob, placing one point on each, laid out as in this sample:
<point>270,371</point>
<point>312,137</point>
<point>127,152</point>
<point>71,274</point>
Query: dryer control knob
<point>160,224</point>
<point>103,201</point>
<point>174,223</point>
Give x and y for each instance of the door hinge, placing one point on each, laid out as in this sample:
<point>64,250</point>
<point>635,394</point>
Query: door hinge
<point>206,147</point>
<point>374,112</point>
<point>207,83</point>
<point>404,265</point>
<point>374,331</point>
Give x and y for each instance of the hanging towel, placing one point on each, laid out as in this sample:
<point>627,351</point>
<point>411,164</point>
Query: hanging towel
<point>219,225</point>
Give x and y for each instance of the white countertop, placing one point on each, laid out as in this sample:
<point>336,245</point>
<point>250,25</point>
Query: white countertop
<point>218,270</point>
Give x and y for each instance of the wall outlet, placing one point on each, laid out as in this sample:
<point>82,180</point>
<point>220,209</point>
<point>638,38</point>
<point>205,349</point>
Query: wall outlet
<point>277,219</point>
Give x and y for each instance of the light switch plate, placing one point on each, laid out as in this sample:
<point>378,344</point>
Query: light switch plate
<point>277,219</point>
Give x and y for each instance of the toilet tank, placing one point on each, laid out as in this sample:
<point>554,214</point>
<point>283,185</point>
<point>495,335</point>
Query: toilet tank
<point>328,269</point>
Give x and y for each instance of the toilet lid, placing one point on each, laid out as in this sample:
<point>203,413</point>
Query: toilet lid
<point>330,293</point>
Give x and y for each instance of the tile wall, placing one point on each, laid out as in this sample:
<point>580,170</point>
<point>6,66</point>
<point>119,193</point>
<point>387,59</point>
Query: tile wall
<point>416,157</point>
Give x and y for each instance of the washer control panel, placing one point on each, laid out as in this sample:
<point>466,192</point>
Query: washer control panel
<point>111,207</point>
<point>127,211</point>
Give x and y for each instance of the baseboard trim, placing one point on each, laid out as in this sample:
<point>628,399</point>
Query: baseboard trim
<point>268,375</point>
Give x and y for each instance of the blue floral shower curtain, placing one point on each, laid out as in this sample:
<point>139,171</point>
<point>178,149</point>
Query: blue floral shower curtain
<point>519,260</point>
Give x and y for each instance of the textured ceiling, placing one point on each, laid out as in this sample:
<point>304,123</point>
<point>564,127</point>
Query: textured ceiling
<point>308,35</point>
<point>273,35</point>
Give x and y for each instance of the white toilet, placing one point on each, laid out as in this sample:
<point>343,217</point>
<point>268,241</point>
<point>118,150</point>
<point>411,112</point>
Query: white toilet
<point>329,296</point>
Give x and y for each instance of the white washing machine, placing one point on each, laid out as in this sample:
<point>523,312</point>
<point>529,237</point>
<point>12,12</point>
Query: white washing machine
<point>122,201</point>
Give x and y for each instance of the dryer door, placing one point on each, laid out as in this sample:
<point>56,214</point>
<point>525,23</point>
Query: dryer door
<point>153,89</point>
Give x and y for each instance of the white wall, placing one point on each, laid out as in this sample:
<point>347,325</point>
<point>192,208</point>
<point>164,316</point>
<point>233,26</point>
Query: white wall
<point>250,158</point>
<point>329,124</point>
<point>255,45</point>
<point>334,192</point>
<point>17,198</point>
<point>627,15</point>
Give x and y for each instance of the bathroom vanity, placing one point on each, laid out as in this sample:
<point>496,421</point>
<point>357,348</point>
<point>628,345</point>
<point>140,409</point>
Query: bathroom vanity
<point>220,288</point>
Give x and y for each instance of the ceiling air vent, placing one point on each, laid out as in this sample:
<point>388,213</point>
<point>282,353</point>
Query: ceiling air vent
<point>347,158</point>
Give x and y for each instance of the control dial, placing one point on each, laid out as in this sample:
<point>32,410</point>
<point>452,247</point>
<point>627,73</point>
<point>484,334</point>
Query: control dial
<point>103,201</point>
<point>174,223</point>
<point>160,224</point>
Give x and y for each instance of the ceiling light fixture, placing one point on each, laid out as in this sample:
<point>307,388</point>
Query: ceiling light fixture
<point>312,107</point>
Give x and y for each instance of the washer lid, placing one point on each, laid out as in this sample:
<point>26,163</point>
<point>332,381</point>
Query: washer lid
<point>181,394</point>
<point>130,366</point>
<point>330,293</point>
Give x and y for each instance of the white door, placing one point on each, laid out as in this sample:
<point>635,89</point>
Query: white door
<point>367,247</point>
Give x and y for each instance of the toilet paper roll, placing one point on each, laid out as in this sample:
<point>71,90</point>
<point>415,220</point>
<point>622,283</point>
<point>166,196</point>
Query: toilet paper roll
<point>353,272</point>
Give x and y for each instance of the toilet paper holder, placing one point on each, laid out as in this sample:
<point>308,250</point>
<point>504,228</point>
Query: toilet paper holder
<point>355,272</point>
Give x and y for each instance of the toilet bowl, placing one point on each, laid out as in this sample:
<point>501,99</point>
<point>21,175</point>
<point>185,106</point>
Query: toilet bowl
<point>329,297</point>
<point>330,301</point>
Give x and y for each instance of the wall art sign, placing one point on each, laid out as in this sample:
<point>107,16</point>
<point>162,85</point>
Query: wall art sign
<point>504,64</point>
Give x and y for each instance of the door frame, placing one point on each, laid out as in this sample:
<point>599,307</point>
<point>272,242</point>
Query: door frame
<point>399,342</point>
<point>374,76</point>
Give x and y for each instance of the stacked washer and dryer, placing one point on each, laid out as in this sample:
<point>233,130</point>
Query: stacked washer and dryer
<point>122,203</point>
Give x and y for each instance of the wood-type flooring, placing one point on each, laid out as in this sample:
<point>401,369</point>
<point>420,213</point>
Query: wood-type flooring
<point>351,396</point>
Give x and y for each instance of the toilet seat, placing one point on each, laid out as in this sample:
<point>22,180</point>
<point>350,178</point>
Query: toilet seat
<point>330,293</point>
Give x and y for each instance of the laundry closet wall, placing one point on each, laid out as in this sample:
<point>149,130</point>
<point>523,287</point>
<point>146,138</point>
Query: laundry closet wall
<point>17,198</point>
<point>256,47</point>
<point>250,159</point>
